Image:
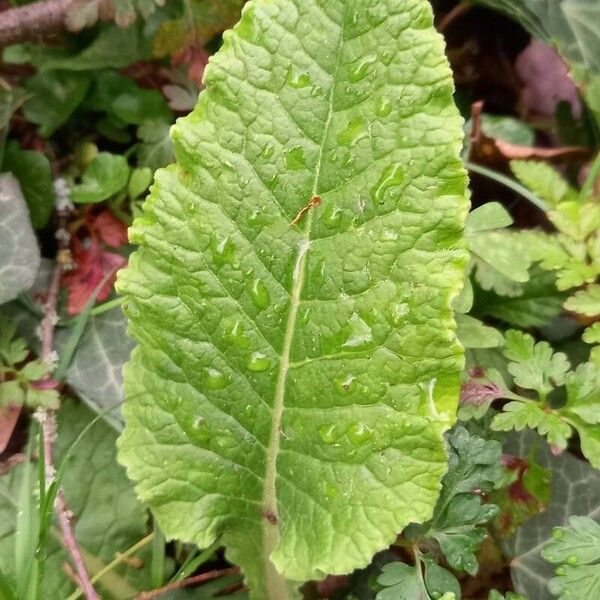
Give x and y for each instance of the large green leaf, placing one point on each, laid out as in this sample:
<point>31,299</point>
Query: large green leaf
<point>297,365</point>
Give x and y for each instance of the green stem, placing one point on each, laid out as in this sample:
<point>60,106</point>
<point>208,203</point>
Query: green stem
<point>116,562</point>
<point>509,183</point>
<point>588,186</point>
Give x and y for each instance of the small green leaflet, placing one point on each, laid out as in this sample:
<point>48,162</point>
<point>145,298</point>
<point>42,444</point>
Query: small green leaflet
<point>425,581</point>
<point>291,295</point>
<point>576,549</point>
<point>543,180</point>
<point>106,175</point>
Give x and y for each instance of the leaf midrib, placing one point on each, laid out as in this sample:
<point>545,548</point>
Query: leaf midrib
<point>275,583</point>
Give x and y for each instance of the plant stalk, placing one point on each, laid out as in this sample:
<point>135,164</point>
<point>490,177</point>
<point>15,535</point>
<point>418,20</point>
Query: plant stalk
<point>48,420</point>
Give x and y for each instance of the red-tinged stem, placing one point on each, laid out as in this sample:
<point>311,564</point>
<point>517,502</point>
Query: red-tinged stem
<point>189,582</point>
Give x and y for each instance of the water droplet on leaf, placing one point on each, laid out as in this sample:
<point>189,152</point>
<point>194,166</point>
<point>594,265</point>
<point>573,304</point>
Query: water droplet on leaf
<point>298,80</point>
<point>353,132</point>
<point>294,159</point>
<point>393,175</point>
<point>360,68</point>
<point>236,335</point>
<point>223,251</point>
<point>358,333</point>
<point>329,433</point>
<point>383,106</point>
<point>259,293</point>
<point>215,380</point>
<point>258,362</point>
<point>359,434</point>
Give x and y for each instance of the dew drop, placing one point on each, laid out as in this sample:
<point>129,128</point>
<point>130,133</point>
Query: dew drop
<point>298,80</point>
<point>393,175</point>
<point>346,382</point>
<point>572,560</point>
<point>558,534</point>
<point>389,235</point>
<point>226,441</point>
<point>560,571</point>
<point>358,332</point>
<point>353,132</point>
<point>333,215</point>
<point>331,491</point>
<point>387,57</point>
<point>397,313</point>
<point>199,422</point>
<point>215,380</point>
<point>259,293</point>
<point>316,91</point>
<point>305,316</point>
<point>236,335</point>
<point>223,251</point>
<point>268,151</point>
<point>329,433</point>
<point>258,362</point>
<point>294,159</point>
<point>383,106</point>
<point>360,68</point>
<point>359,434</point>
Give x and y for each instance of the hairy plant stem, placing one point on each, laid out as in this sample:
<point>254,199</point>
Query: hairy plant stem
<point>48,420</point>
<point>25,23</point>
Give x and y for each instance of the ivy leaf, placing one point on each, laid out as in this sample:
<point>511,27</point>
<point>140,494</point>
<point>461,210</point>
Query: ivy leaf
<point>105,175</point>
<point>56,94</point>
<point>575,489</point>
<point>534,366</point>
<point>32,169</point>
<point>545,181</point>
<point>95,371</point>
<point>19,252</point>
<point>577,549</point>
<point>291,268</point>
<point>585,302</point>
